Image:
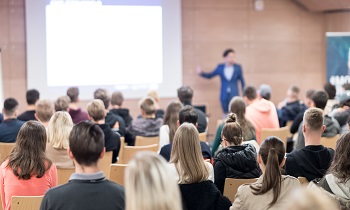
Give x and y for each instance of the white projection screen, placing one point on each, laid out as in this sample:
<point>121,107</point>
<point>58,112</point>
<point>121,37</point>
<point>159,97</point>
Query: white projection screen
<point>127,45</point>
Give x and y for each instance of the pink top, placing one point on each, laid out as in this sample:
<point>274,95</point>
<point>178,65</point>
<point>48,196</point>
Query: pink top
<point>10,185</point>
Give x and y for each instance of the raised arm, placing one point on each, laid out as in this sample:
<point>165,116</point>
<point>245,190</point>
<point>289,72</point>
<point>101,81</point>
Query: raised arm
<point>207,75</point>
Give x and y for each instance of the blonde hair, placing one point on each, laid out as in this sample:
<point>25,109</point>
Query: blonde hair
<point>147,104</point>
<point>187,156</point>
<point>58,130</point>
<point>96,110</point>
<point>306,199</point>
<point>62,103</point>
<point>44,110</point>
<point>313,119</point>
<point>149,185</point>
<point>153,94</point>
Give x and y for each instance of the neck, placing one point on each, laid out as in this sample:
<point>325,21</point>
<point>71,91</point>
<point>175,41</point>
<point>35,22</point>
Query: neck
<point>116,107</point>
<point>73,105</point>
<point>312,139</point>
<point>252,101</point>
<point>9,117</point>
<point>45,124</point>
<point>149,116</point>
<point>86,169</point>
<point>99,122</point>
<point>30,107</point>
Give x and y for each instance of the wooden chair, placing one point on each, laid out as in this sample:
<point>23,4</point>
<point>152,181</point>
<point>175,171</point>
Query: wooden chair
<point>117,173</point>
<point>330,141</point>
<point>145,141</point>
<point>26,202</point>
<point>122,145</point>
<point>231,186</point>
<point>203,136</point>
<point>130,151</point>
<point>303,180</point>
<point>63,175</point>
<point>282,133</point>
<point>5,150</point>
<point>105,163</point>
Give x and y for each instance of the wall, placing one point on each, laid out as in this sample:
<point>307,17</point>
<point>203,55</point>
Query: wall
<point>338,22</point>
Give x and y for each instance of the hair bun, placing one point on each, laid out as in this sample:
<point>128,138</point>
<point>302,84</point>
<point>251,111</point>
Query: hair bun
<point>231,118</point>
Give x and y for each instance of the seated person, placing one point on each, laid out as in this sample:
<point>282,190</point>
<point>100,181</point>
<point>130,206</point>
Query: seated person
<point>117,109</point>
<point>236,160</point>
<point>9,128</point>
<point>97,112</point>
<point>189,115</point>
<point>331,91</point>
<point>154,95</point>
<point>148,125</point>
<point>75,112</point>
<point>272,190</point>
<point>313,160</point>
<point>62,104</point>
<point>44,110</point>
<point>342,113</point>
<point>32,96</point>
<point>185,95</point>
<point>114,121</point>
<point>88,187</point>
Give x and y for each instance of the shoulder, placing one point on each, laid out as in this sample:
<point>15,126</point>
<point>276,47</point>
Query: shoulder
<point>164,128</point>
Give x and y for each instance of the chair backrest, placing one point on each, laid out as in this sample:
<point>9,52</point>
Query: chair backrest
<point>130,151</point>
<point>145,141</point>
<point>303,180</point>
<point>105,163</point>
<point>117,173</point>
<point>203,136</point>
<point>63,175</point>
<point>26,202</point>
<point>282,133</point>
<point>330,142</point>
<point>231,186</point>
<point>5,150</point>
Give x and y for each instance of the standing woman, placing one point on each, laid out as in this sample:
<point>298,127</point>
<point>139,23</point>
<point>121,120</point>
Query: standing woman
<point>27,171</point>
<point>230,73</point>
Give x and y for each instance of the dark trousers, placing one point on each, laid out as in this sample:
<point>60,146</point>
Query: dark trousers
<point>226,102</point>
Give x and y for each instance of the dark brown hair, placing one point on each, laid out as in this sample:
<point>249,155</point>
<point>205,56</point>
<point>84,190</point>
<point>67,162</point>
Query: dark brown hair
<point>171,117</point>
<point>272,152</point>
<point>73,94</point>
<point>232,131</point>
<point>28,158</point>
<point>340,166</point>
<point>117,98</point>
<point>250,92</point>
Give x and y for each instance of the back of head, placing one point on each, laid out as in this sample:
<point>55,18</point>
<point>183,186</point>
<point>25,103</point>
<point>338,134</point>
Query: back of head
<point>96,110</point>
<point>265,91</point>
<point>147,105</point>
<point>44,110</point>
<point>313,120</point>
<point>73,94</point>
<point>117,98</point>
<point>340,166</point>
<point>60,126</point>
<point>330,90</point>
<point>62,103</point>
<point>188,114</point>
<point>154,95</point>
<point>187,156</point>
<point>10,107</point>
<point>309,93</point>
<point>102,94</point>
<point>307,199</point>
<point>320,99</point>
<point>250,93</point>
<point>149,185</point>
<point>293,92</point>
<point>237,106</point>
<point>232,131</point>
<point>171,117</point>
<point>227,51</point>
<point>272,152</point>
<point>86,142</point>
<point>185,95</point>
<point>28,157</point>
<point>32,96</point>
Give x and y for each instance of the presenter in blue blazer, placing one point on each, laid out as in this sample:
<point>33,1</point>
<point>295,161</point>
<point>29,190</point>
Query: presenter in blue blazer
<point>230,73</point>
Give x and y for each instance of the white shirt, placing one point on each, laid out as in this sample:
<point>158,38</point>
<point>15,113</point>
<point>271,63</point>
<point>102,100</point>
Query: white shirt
<point>172,169</point>
<point>228,72</point>
<point>163,136</point>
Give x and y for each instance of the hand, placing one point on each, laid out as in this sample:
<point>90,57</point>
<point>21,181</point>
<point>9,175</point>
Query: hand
<point>199,69</point>
<point>116,125</point>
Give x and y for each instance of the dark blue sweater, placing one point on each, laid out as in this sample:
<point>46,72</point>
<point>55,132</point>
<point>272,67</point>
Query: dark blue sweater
<point>9,130</point>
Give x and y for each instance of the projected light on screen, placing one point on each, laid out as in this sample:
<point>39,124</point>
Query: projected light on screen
<point>88,43</point>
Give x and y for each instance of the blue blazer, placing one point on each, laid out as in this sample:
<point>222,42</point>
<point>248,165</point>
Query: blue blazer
<point>225,84</point>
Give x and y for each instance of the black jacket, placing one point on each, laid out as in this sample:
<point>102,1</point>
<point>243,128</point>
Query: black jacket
<point>112,141</point>
<point>203,196</point>
<point>111,119</point>
<point>235,162</point>
<point>290,111</point>
<point>165,151</point>
<point>124,113</point>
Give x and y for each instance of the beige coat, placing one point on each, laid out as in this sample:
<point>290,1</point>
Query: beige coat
<point>59,157</point>
<point>246,200</point>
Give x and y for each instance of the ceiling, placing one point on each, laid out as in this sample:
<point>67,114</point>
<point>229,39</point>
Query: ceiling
<point>324,5</point>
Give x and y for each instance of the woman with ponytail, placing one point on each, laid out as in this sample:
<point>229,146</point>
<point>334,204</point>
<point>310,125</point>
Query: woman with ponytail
<point>236,160</point>
<point>272,189</point>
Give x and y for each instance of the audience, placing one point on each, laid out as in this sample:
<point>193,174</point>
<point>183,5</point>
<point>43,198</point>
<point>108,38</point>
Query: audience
<point>336,183</point>
<point>117,109</point>
<point>97,112</point>
<point>9,128</point>
<point>87,187</point>
<point>32,97</point>
<point>44,110</point>
<point>114,121</point>
<point>60,126</point>
<point>235,160</point>
<point>194,175</point>
<point>260,112</point>
<point>264,92</point>
<point>331,91</point>
<point>272,189</point>
<point>237,106</point>
<point>154,95</point>
<point>313,160</point>
<point>342,113</point>
<point>307,199</point>
<point>319,100</point>
<point>62,104</point>
<point>27,171</point>
<point>170,123</point>
<point>149,185</point>
<point>186,114</point>
<point>75,112</point>
<point>185,95</point>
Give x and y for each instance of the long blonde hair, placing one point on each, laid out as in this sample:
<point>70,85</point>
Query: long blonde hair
<point>149,185</point>
<point>58,130</point>
<point>187,156</point>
